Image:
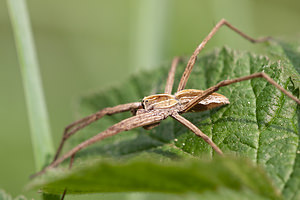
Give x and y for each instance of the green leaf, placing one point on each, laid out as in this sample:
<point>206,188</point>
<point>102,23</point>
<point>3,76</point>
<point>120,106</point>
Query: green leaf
<point>170,177</point>
<point>260,124</point>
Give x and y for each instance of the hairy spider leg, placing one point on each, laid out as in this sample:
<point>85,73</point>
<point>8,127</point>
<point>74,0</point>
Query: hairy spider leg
<point>171,75</point>
<point>192,60</point>
<point>79,124</point>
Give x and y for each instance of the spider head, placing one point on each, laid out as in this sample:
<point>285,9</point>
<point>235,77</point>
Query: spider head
<point>143,103</point>
<point>159,101</point>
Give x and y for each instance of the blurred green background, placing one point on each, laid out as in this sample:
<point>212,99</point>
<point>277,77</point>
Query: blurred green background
<point>91,45</point>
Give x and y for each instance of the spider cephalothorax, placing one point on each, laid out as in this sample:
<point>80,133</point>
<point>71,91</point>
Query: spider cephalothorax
<point>159,101</point>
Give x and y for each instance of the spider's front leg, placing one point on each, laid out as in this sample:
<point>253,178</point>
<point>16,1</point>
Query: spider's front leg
<point>79,124</point>
<point>193,58</point>
<point>139,120</point>
<point>171,75</point>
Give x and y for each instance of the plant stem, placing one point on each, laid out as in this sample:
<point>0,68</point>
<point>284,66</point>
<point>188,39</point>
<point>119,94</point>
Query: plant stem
<point>149,33</point>
<point>37,112</point>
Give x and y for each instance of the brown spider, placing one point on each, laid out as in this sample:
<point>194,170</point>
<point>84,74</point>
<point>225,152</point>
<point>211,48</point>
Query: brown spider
<point>158,107</point>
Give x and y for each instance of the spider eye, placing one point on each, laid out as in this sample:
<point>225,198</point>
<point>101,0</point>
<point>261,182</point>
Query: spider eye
<point>146,101</point>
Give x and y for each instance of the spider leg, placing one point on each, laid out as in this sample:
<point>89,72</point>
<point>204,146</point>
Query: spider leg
<point>215,88</point>
<point>171,75</point>
<point>193,58</point>
<point>197,131</point>
<point>124,125</point>
<point>79,124</point>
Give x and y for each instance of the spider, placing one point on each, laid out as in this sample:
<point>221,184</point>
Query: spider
<point>155,108</point>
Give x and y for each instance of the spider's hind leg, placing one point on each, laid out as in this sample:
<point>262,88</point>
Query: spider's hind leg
<point>215,88</point>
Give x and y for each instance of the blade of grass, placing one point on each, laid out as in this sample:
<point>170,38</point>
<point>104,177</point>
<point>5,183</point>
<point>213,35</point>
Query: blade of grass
<point>37,112</point>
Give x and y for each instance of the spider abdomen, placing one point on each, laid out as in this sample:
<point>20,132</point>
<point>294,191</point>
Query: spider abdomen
<point>183,97</point>
<point>212,101</point>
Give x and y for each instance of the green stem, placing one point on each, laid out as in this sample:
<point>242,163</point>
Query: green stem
<point>37,112</point>
<point>149,33</point>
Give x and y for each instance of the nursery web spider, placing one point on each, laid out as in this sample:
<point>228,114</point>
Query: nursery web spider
<point>158,107</point>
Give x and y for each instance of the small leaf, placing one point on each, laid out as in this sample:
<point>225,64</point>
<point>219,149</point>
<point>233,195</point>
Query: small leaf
<point>260,123</point>
<point>168,177</point>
